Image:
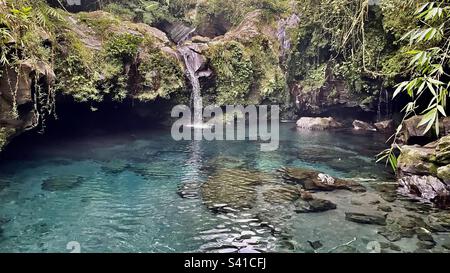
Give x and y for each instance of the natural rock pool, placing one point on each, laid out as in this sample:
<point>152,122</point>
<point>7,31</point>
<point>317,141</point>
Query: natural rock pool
<point>141,191</point>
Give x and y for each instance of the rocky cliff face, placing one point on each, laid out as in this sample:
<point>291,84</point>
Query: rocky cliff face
<point>99,57</point>
<point>24,91</point>
<point>331,97</point>
<point>96,58</point>
<point>424,172</point>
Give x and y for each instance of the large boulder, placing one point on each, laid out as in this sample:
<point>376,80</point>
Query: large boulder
<point>359,125</point>
<point>412,133</point>
<point>417,160</point>
<point>443,151</point>
<point>309,123</point>
<point>443,173</point>
<point>425,188</point>
<point>386,126</point>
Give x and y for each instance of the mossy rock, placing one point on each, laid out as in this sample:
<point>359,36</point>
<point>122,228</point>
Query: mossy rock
<point>312,180</point>
<point>443,173</point>
<point>234,71</point>
<point>443,151</point>
<point>417,160</point>
<point>5,134</point>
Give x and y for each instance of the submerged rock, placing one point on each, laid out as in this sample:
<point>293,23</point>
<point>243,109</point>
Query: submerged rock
<point>422,245</point>
<point>439,222</point>
<point>314,205</point>
<point>62,183</point>
<point>315,245</point>
<point>365,218</point>
<point>319,124</point>
<point>424,235</point>
<point>388,191</point>
<point>225,162</point>
<point>315,181</point>
<point>115,167</point>
<point>4,183</point>
<point>385,208</point>
<point>232,187</point>
<point>359,125</point>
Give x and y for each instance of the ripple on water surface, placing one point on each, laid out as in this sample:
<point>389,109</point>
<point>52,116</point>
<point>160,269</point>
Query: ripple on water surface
<point>147,193</point>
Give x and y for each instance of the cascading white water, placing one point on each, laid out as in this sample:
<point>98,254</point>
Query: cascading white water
<point>193,63</point>
<point>383,98</point>
<point>283,26</point>
<point>380,100</point>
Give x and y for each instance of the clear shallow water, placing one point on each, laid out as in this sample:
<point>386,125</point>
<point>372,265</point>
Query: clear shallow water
<point>119,192</point>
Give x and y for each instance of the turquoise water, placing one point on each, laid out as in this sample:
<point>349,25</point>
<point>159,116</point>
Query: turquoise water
<point>118,192</point>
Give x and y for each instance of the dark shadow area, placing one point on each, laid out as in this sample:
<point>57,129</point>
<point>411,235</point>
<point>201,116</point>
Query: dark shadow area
<point>76,120</point>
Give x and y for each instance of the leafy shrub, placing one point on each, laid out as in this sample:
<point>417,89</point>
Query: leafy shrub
<point>234,70</point>
<point>123,47</point>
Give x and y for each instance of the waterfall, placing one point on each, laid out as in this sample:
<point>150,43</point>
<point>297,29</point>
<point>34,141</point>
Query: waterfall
<point>283,37</point>
<point>380,101</point>
<point>383,114</point>
<point>388,106</point>
<point>194,62</point>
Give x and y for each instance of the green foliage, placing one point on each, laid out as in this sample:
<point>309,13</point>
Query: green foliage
<point>162,76</point>
<point>143,11</point>
<point>123,47</point>
<point>127,65</point>
<point>247,73</point>
<point>5,133</point>
<point>398,16</point>
<point>23,27</point>
<point>311,49</point>
<point>429,58</point>
<point>315,78</point>
<point>75,70</point>
<point>234,11</point>
<point>352,40</point>
<point>100,22</point>
<point>268,78</point>
<point>26,32</point>
<point>234,70</point>
<point>121,10</point>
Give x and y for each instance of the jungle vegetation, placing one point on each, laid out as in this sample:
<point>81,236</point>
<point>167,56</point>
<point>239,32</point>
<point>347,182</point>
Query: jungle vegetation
<point>400,45</point>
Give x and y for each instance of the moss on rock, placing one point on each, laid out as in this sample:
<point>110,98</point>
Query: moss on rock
<point>103,57</point>
<point>234,71</point>
<point>443,173</point>
<point>417,160</point>
<point>5,134</point>
<point>162,75</point>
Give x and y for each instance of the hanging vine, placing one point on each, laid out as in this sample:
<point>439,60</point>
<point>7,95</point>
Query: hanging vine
<point>26,35</point>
